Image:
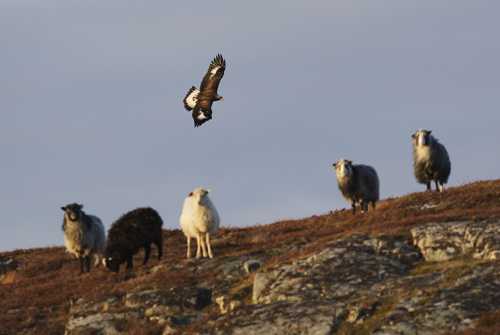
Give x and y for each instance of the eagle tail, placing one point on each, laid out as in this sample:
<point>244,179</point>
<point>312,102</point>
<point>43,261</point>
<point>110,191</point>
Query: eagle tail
<point>202,116</point>
<point>191,98</point>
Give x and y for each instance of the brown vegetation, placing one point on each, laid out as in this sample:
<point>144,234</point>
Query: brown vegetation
<point>36,297</point>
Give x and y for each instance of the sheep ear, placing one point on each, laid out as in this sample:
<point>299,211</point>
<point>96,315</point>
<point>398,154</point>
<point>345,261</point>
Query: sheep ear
<point>335,165</point>
<point>208,191</point>
<point>63,208</point>
<point>191,194</point>
<point>350,162</point>
<point>81,206</point>
<point>430,131</point>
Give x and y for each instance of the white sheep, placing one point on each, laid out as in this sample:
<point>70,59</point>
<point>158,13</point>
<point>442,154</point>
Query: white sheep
<point>199,220</point>
<point>83,234</point>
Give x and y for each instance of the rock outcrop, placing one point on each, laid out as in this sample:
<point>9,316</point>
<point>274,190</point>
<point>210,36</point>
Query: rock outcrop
<point>442,280</point>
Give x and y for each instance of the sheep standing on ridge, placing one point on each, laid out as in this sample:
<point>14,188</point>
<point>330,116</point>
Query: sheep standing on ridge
<point>134,230</point>
<point>199,219</point>
<point>430,160</point>
<point>357,183</point>
<point>83,234</point>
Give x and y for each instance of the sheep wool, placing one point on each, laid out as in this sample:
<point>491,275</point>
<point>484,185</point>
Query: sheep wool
<point>200,220</point>
<point>430,160</point>
<point>357,183</point>
<point>83,234</point>
<point>130,233</point>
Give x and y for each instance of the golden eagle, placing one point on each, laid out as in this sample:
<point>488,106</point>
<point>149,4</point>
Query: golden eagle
<point>200,102</point>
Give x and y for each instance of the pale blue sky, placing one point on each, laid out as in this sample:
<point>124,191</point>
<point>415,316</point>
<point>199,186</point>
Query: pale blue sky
<point>91,104</point>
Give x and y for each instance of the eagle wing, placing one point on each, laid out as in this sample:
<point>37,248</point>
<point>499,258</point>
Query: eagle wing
<point>210,82</point>
<point>191,98</point>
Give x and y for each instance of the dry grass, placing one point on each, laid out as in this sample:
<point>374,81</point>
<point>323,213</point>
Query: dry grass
<point>47,278</point>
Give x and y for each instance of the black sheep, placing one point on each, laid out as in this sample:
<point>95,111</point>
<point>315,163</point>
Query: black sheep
<point>135,230</point>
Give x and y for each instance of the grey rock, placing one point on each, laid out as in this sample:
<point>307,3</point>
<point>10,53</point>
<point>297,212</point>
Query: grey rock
<point>177,299</point>
<point>102,322</point>
<point>283,317</point>
<point>101,305</point>
<point>488,242</point>
<point>441,242</point>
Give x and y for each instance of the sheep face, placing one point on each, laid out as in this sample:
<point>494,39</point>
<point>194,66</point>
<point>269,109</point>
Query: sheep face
<point>199,196</point>
<point>421,138</point>
<point>344,168</point>
<point>73,211</point>
<point>112,264</point>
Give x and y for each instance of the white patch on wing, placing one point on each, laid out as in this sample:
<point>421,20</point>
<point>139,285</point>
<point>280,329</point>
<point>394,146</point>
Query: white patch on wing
<point>192,98</point>
<point>201,116</point>
<point>214,71</point>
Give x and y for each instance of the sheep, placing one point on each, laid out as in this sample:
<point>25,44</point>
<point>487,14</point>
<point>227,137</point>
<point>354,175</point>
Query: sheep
<point>134,230</point>
<point>83,234</point>
<point>199,219</point>
<point>357,183</point>
<point>430,160</point>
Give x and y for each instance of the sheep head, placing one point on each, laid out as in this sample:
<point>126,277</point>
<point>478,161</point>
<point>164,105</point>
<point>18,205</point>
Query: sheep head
<point>421,137</point>
<point>112,264</point>
<point>343,167</point>
<point>199,196</point>
<point>73,211</point>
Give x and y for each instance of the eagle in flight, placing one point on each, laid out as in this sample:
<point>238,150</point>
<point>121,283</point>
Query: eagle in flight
<point>200,101</point>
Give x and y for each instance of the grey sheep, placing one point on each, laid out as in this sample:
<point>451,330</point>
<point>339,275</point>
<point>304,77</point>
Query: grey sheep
<point>83,234</point>
<point>430,160</point>
<point>357,183</point>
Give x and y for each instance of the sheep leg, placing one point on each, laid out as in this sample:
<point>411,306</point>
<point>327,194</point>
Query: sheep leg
<point>429,185</point>
<point>129,262</point>
<point>147,248</point>
<point>81,264</point>
<point>353,208</point>
<point>96,263</point>
<point>437,187</point>
<point>198,241</point>
<point>159,246</point>
<point>200,235</point>
<point>441,187</point>
<point>87,259</point>
<point>373,203</point>
<point>208,246</point>
<point>189,247</point>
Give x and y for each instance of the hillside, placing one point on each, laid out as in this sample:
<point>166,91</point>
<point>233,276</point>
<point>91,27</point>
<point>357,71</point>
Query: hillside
<point>382,272</point>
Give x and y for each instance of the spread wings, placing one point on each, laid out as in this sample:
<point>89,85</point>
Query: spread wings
<point>200,101</point>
